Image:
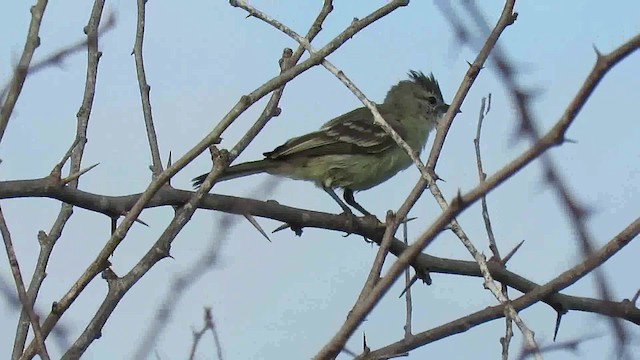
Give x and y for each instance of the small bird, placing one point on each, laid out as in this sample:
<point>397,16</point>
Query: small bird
<point>351,151</point>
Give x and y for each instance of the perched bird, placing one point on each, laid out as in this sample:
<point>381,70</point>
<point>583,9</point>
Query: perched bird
<point>351,151</point>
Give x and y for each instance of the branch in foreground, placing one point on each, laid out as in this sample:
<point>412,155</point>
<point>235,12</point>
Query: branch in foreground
<point>313,219</point>
<point>93,31</point>
<point>156,184</point>
<point>27,305</point>
<point>462,202</point>
<point>531,296</point>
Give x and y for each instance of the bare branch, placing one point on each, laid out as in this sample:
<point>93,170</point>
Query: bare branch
<point>245,102</point>
<point>27,305</point>
<point>506,18</point>
<point>20,74</point>
<point>457,205</point>
<point>48,241</point>
<point>11,91</point>
<point>182,282</point>
<point>407,281</point>
<point>209,325</point>
<point>156,167</point>
<point>381,255</point>
<point>484,110</point>
<point>531,296</point>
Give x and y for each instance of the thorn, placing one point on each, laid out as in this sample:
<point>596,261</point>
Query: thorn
<point>141,222</point>
<point>555,331</point>
<point>457,200</point>
<point>114,219</point>
<point>411,282</point>
<point>280,228</point>
<point>255,224</point>
<point>169,160</point>
<point>407,220</point>
<point>365,347</point>
<point>511,253</point>
<point>114,224</point>
<point>70,178</point>
<point>634,300</point>
<point>570,141</point>
<point>296,229</point>
<point>437,177</point>
<point>598,53</point>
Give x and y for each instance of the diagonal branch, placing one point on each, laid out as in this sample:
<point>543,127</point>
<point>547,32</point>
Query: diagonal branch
<point>20,73</point>
<point>99,264</point>
<point>532,296</point>
<point>461,202</point>
<point>27,305</point>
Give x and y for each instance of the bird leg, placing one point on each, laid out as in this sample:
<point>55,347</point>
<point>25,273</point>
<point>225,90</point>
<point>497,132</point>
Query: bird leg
<point>335,197</point>
<point>348,197</point>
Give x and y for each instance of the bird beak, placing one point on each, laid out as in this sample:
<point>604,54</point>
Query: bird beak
<point>445,108</point>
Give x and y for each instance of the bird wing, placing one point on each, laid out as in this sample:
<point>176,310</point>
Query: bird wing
<point>352,133</point>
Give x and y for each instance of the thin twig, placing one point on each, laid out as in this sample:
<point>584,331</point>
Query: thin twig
<point>27,306</point>
<point>209,325</point>
<point>48,241</point>
<point>485,106</point>
<point>177,287</point>
<point>505,341</point>
<point>407,281</point>
<point>20,74</point>
<point>156,166</point>
<point>381,255</point>
<point>11,91</point>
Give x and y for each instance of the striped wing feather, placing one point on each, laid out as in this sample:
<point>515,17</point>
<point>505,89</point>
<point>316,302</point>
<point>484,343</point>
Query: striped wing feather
<point>351,133</point>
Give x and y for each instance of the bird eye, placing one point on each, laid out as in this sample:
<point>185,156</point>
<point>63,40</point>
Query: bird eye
<point>430,99</point>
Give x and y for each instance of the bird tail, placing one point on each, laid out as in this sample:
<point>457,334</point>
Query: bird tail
<point>240,170</point>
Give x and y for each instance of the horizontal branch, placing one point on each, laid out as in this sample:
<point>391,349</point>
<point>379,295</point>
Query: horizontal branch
<point>115,206</point>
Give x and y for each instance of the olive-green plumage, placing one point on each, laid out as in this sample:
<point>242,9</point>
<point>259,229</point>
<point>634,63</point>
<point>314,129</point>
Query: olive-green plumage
<point>351,151</point>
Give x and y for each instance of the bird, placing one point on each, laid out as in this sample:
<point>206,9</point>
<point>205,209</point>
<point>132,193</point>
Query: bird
<point>351,151</point>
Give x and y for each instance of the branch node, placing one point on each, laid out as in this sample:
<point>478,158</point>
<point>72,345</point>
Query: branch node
<point>513,18</point>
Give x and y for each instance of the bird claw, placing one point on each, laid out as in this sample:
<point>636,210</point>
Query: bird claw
<point>351,221</point>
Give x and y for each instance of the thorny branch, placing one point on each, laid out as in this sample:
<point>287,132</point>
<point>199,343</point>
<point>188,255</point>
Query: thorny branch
<point>27,306</point>
<point>101,261</point>
<point>75,153</point>
<point>145,88</point>
<point>186,202</point>
<point>461,202</point>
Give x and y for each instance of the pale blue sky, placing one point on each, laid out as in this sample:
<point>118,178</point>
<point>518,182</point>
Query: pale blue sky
<point>283,300</point>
